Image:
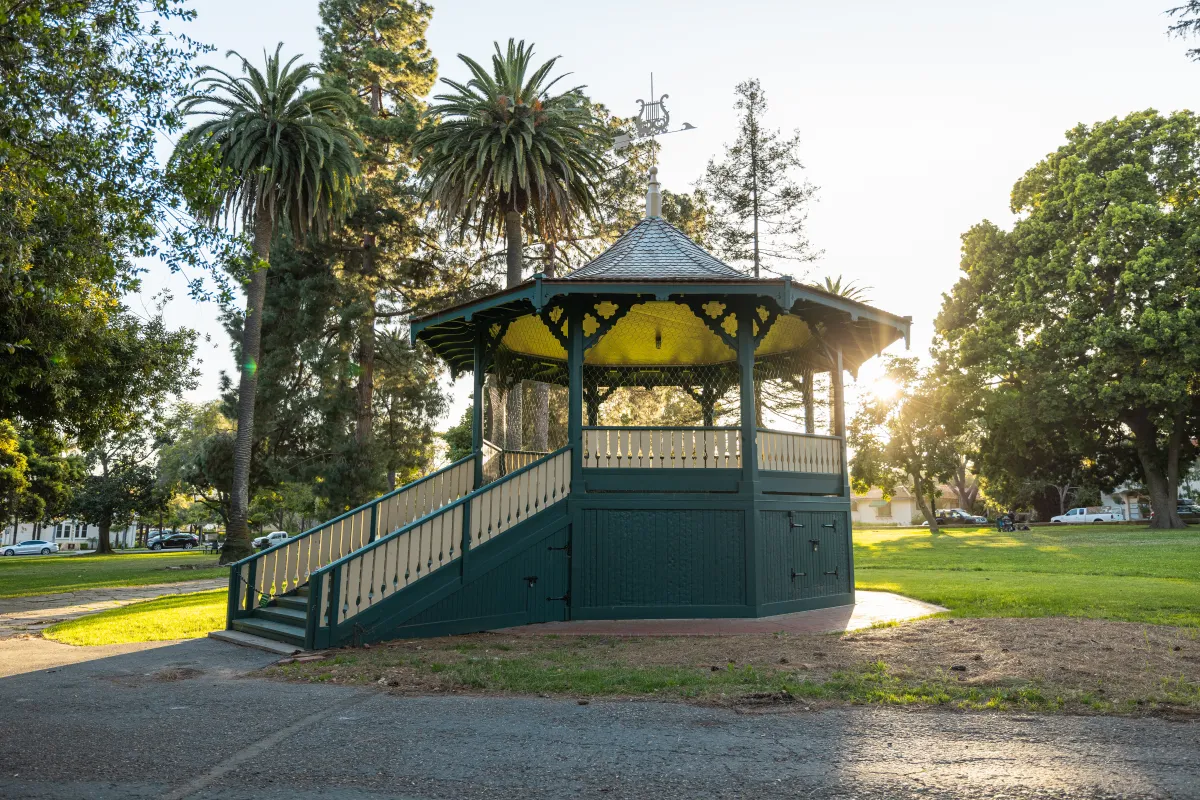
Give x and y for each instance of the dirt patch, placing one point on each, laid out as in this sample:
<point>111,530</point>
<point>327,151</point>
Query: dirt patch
<point>177,674</point>
<point>1084,666</point>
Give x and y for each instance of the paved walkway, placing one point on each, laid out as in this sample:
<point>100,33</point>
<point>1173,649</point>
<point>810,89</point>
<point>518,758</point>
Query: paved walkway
<point>22,616</point>
<point>870,608</point>
<point>299,741</point>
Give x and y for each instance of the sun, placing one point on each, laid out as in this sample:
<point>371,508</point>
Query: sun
<point>885,389</point>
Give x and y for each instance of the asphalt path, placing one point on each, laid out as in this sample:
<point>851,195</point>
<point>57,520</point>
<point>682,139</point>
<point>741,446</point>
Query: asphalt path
<point>183,722</point>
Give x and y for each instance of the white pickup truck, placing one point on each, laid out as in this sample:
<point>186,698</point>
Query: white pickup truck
<point>270,540</point>
<point>1090,514</point>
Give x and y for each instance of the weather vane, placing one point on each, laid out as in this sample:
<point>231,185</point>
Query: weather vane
<point>653,119</point>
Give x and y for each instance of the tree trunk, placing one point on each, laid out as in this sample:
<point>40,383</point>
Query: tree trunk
<point>499,421</point>
<point>514,257</point>
<point>514,419</point>
<point>391,479</point>
<point>514,260</point>
<point>237,538</point>
<point>364,417</point>
<point>1161,470</point>
<point>541,391</point>
<point>104,543</point>
<point>925,508</point>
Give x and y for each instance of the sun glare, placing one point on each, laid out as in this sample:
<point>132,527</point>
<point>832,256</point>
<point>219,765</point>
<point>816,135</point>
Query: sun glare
<point>884,389</point>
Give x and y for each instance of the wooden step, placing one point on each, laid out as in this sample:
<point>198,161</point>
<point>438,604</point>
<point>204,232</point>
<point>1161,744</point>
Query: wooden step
<point>284,614</point>
<point>292,601</point>
<point>301,591</point>
<point>280,632</point>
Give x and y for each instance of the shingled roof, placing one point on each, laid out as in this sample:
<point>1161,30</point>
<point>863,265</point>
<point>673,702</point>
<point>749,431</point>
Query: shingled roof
<point>655,250</point>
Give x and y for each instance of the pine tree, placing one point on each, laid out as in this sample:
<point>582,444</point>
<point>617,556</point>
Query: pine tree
<point>376,51</point>
<point>761,202</point>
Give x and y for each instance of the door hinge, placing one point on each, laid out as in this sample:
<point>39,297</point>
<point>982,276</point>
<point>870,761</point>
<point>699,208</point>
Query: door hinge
<point>566,598</point>
<point>835,571</point>
<point>792,520</point>
<point>566,548</point>
<point>798,574</point>
<point>828,525</point>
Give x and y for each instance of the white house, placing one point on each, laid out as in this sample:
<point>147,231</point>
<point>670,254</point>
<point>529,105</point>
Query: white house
<point>872,509</point>
<point>70,534</point>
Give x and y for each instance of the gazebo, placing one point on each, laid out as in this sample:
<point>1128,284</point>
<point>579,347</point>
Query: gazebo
<point>695,464</point>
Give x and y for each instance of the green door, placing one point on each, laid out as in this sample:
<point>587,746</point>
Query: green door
<point>549,594</point>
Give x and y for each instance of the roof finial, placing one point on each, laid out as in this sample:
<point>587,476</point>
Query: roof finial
<point>653,196</point>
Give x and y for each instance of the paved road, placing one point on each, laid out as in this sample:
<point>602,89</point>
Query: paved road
<point>181,722</point>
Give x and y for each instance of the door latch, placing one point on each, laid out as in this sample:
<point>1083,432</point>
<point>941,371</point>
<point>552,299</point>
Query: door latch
<point>530,579</point>
<point>814,543</point>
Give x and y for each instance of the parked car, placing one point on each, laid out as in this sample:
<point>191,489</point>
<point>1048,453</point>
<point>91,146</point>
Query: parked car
<point>270,540</point>
<point>1090,514</point>
<point>956,516</point>
<point>1188,511</point>
<point>30,547</point>
<point>179,541</point>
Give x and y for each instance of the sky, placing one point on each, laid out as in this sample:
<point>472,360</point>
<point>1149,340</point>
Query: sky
<point>916,118</point>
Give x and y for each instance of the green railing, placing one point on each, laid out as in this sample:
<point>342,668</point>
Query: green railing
<point>366,577</point>
<point>291,563</point>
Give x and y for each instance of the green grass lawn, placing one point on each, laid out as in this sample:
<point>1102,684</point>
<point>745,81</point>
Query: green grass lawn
<point>1128,573</point>
<point>177,616</point>
<point>22,576</point>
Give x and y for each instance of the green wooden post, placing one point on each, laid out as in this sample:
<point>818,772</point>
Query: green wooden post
<point>251,577</point>
<point>235,591</point>
<point>477,410</point>
<point>575,393</point>
<point>745,341</point>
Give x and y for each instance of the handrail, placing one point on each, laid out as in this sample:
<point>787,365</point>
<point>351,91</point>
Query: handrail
<point>379,569</point>
<point>800,433</point>
<point>662,427</point>
<point>417,522</point>
<point>406,487</point>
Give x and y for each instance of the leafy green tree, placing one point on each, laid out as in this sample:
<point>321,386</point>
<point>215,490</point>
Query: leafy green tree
<point>287,161</point>
<point>375,50</point>
<point>53,475</point>
<point>409,401</point>
<point>761,202</point>
<point>14,469</point>
<point>904,438</point>
<point>458,437</point>
<point>120,486</point>
<point>195,457</point>
<point>1088,306</point>
<point>88,89</point>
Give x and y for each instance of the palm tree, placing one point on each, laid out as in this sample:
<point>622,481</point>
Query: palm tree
<point>503,148</point>
<point>504,145</point>
<point>851,290</point>
<point>286,162</point>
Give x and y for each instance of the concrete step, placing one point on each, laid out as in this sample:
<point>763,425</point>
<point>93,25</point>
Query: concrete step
<point>257,642</point>
<point>280,632</point>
